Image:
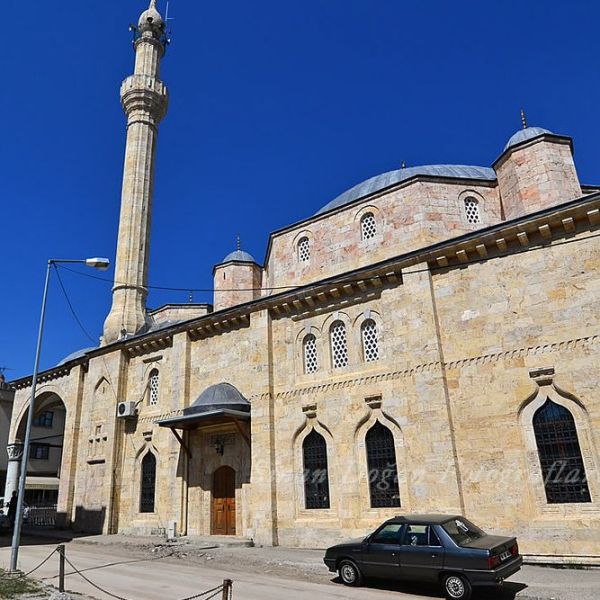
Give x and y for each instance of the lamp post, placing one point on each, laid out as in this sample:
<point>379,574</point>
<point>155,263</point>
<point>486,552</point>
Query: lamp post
<point>96,263</point>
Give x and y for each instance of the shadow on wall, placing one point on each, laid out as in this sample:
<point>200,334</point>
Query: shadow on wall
<point>86,520</point>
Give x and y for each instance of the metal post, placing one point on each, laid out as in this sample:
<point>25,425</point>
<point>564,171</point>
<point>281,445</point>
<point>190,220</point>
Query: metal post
<point>61,567</point>
<point>227,587</point>
<point>19,516</point>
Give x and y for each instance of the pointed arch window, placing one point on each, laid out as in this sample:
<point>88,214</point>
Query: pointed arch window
<point>339,344</point>
<point>368,226</point>
<point>153,383</point>
<point>370,340</point>
<point>472,210</point>
<point>316,474</point>
<point>383,470</point>
<point>309,350</point>
<point>148,483</point>
<point>560,455</point>
<point>304,250</point>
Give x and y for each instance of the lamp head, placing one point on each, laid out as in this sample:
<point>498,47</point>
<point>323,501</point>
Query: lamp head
<point>98,263</point>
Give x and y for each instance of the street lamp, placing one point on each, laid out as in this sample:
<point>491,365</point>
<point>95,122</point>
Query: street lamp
<point>97,263</point>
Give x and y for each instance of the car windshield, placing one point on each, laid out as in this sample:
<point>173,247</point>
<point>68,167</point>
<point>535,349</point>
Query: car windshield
<point>462,531</point>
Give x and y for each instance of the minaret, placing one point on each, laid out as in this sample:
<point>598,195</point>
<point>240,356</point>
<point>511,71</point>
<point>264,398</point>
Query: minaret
<point>144,99</point>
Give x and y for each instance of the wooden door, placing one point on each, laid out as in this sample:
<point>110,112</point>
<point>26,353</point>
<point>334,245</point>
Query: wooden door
<point>223,508</point>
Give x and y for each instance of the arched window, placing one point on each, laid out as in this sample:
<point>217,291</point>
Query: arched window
<point>339,345</point>
<point>316,475</point>
<point>304,250</point>
<point>383,471</point>
<point>370,340</point>
<point>368,226</point>
<point>148,483</point>
<point>309,349</point>
<point>472,210</point>
<point>560,455</point>
<point>153,382</point>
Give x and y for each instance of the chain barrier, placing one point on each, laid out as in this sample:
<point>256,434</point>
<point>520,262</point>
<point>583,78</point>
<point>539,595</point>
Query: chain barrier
<point>224,587</point>
<point>214,591</point>
<point>40,565</point>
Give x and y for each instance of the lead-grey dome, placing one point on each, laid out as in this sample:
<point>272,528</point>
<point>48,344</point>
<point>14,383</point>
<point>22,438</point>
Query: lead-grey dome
<point>218,397</point>
<point>380,182</point>
<point>239,256</point>
<point>525,134</point>
<point>75,355</point>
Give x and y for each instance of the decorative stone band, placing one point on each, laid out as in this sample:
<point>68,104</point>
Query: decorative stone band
<point>142,93</point>
<point>15,451</point>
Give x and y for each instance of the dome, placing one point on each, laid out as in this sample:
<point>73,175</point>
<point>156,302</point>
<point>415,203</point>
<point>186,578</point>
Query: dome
<point>525,134</point>
<point>240,256</point>
<point>151,18</point>
<point>218,397</point>
<point>75,356</point>
<point>380,182</point>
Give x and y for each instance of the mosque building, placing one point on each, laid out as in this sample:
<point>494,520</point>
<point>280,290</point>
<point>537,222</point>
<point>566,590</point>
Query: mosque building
<point>428,341</point>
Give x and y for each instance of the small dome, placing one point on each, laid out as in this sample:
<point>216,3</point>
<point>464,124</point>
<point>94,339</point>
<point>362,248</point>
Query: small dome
<point>525,134</point>
<point>75,356</point>
<point>151,18</point>
<point>219,396</point>
<point>240,256</point>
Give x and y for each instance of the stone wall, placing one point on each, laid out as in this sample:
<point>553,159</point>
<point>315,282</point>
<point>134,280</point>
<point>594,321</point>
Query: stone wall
<point>416,214</point>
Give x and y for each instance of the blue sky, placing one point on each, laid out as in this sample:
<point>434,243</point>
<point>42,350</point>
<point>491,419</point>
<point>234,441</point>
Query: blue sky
<point>276,108</point>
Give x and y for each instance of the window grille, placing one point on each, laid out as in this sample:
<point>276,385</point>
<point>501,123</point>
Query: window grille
<point>472,210</point>
<point>560,455</point>
<point>154,380</point>
<point>311,363</point>
<point>304,250</point>
<point>370,340</point>
<point>383,471</point>
<point>148,483</point>
<point>316,475</point>
<point>368,226</point>
<point>339,345</point>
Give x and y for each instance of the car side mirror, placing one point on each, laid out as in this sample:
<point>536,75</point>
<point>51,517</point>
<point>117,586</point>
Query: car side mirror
<point>368,539</point>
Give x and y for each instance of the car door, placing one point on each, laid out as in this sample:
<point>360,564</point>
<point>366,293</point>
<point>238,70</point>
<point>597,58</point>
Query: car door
<point>421,553</point>
<point>381,557</point>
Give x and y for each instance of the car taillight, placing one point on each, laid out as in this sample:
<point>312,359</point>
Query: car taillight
<point>493,561</point>
<point>515,549</point>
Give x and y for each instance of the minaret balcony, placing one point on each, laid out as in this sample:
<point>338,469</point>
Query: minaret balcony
<point>145,93</point>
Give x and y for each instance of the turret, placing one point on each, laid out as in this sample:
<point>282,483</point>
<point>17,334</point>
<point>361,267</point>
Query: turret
<point>535,171</point>
<point>237,279</point>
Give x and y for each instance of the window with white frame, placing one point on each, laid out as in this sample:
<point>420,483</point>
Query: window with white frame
<point>368,226</point>
<point>472,210</point>
<point>153,387</point>
<point>304,250</point>
<point>339,345</point>
<point>309,349</point>
<point>370,340</point>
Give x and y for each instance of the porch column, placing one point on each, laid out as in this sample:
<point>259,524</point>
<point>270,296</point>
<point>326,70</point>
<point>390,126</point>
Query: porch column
<point>15,454</point>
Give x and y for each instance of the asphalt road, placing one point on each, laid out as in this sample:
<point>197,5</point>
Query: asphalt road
<point>134,577</point>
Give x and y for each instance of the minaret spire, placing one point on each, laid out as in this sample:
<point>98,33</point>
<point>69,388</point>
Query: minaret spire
<point>144,99</point>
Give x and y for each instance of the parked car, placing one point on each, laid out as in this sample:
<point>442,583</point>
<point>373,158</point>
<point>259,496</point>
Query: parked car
<point>447,549</point>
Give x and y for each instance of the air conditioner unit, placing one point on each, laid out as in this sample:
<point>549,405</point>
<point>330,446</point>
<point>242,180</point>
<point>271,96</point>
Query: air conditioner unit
<point>126,410</point>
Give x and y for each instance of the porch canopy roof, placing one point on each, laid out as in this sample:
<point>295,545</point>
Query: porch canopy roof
<point>220,403</point>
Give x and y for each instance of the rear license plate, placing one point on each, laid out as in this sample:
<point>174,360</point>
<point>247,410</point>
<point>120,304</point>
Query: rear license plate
<point>505,555</point>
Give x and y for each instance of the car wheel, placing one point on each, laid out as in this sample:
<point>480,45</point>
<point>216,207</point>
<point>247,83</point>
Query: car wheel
<point>457,587</point>
<point>349,573</point>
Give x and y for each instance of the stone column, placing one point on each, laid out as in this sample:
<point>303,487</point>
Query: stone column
<point>15,454</point>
